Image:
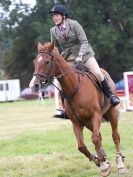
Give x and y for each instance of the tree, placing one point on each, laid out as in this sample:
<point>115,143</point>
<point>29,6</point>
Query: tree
<point>25,31</point>
<point>108,25</point>
<point>109,28</point>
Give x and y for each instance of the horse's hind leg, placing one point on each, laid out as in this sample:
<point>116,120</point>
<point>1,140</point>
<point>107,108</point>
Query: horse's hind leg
<point>78,131</point>
<point>113,117</point>
<point>96,139</point>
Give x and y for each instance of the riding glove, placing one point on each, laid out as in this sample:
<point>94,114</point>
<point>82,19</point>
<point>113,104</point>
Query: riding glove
<point>79,58</point>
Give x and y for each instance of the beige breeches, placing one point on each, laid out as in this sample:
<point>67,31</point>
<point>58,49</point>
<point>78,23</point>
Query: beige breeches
<point>93,66</point>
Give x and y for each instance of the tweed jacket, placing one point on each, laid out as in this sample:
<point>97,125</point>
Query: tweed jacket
<point>75,41</point>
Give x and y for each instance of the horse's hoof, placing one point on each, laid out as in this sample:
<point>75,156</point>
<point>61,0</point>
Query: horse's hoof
<point>106,173</point>
<point>122,170</point>
<point>105,169</point>
<point>120,163</point>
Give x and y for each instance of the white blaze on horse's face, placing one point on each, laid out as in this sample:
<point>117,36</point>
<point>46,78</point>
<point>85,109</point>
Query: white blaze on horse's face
<point>39,59</point>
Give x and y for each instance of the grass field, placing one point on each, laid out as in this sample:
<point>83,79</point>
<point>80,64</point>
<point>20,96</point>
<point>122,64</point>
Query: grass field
<point>34,144</point>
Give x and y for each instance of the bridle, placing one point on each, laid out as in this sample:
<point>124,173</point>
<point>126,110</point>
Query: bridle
<point>49,79</point>
<point>46,76</point>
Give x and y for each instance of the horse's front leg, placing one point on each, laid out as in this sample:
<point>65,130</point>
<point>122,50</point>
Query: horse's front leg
<point>78,131</point>
<point>96,139</point>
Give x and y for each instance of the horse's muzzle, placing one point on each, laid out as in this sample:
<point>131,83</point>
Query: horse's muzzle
<point>36,88</point>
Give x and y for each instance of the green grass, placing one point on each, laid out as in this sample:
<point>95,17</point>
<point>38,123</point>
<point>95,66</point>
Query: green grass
<point>34,144</point>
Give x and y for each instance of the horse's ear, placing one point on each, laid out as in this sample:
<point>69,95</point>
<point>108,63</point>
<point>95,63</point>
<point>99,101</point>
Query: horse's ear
<point>39,47</point>
<point>52,45</point>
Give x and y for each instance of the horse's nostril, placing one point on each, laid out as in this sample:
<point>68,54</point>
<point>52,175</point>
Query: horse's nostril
<point>36,88</point>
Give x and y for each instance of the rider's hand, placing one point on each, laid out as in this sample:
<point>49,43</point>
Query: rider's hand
<point>79,58</point>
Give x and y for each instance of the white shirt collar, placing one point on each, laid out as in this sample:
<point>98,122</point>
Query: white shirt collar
<point>64,26</point>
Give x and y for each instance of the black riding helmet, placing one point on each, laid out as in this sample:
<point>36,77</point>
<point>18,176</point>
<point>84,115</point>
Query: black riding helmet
<point>59,9</point>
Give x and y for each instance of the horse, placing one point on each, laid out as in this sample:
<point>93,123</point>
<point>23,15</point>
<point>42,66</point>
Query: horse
<point>85,105</point>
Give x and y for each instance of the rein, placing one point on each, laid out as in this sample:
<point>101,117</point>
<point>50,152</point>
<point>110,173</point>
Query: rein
<point>68,98</point>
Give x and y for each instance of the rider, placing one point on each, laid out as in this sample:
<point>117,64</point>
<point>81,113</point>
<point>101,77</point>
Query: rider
<point>71,39</point>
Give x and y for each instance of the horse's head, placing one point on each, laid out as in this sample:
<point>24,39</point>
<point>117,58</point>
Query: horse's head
<point>45,66</point>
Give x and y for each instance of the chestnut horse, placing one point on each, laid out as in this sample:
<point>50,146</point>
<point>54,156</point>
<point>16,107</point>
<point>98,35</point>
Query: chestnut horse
<point>85,105</point>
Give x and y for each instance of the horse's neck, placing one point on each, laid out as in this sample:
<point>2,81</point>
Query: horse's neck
<point>69,78</point>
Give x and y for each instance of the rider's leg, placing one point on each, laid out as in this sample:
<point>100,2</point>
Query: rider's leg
<point>108,92</point>
<point>60,113</point>
<point>93,66</point>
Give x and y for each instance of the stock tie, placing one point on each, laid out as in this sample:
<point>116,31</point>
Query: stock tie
<point>63,32</point>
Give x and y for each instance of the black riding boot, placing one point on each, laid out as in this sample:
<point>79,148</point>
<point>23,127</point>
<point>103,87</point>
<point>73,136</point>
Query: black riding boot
<point>108,92</point>
<point>63,114</point>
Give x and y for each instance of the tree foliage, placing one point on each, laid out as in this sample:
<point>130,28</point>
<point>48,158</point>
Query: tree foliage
<point>108,25</point>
